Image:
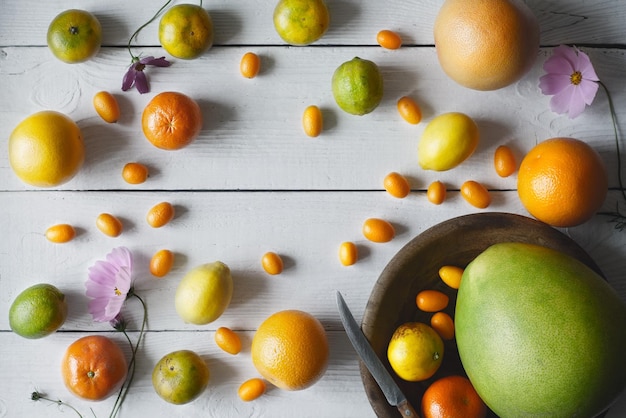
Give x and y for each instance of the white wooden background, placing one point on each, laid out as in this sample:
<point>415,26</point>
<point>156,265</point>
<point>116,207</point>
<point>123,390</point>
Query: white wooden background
<point>253,182</point>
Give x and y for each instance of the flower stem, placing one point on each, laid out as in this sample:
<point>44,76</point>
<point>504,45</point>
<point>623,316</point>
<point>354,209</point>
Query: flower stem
<point>132,365</point>
<point>134,35</point>
<point>618,218</point>
<point>36,396</point>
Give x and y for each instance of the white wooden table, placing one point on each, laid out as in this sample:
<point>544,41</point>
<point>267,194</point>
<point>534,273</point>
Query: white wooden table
<point>253,182</point>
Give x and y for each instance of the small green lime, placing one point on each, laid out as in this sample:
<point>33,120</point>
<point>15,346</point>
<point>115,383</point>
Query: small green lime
<point>38,311</point>
<point>301,22</point>
<point>358,86</point>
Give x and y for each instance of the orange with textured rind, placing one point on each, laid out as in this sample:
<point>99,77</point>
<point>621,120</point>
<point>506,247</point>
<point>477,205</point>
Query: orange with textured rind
<point>562,182</point>
<point>94,367</point>
<point>290,350</point>
<point>486,44</point>
<point>171,120</point>
<point>451,397</point>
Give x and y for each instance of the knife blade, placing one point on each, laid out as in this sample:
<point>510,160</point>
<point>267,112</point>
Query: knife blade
<point>389,387</point>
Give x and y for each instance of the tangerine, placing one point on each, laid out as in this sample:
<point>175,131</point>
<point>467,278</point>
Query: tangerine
<point>486,44</point>
<point>171,120</point>
<point>290,349</point>
<point>562,182</point>
<point>452,396</point>
<point>93,367</point>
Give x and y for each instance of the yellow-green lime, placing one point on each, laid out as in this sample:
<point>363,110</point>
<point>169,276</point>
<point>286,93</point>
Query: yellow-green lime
<point>447,141</point>
<point>301,22</point>
<point>358,86</point>
<point>180,377</point>
<point>74,36</point>
<point>46,149</point>
<point>204,293</point>
<point>186,31</point>
<point>38,311</point>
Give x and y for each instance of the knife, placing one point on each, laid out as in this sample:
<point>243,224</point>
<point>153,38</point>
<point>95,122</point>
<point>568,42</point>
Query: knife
<point>390,389</point>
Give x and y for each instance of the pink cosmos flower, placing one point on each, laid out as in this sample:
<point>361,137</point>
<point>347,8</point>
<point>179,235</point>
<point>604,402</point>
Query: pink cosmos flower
<point>108,284</point>
<point>571,80</point>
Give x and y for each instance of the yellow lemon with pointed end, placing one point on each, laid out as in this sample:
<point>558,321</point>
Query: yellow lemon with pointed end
<point>415,351</point>
<point>358,86</point>
<point>301,22</point>
<point>204,293</point>
<point>38,311</point>
<point>74,36</point>
<point>180,377</point>
<point>46,149</point>
<point>447,141</point>
<point>186,31</point>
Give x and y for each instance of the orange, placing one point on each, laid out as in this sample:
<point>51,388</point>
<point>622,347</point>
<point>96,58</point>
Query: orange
<point>486,44</point>
<point>74,36</point>
<point>186,31</point>
<point>46,149</point>
<point>301,22</point>
<point>397,185</point>
<point>171,120</point>
<point>135,173</point>
<point>562,182</point>
<point>60,233</point>
<point>93,367</point>
<point>290,349</point>
<point>452,397</point>
<point>378,230</point>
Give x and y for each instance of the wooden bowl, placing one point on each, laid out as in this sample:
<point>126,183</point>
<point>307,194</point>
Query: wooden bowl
<point>415,267</point>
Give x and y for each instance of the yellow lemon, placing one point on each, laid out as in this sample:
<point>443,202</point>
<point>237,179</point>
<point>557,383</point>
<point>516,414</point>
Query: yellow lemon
<point>301,22</point>
<point>46,149</point>
<point>415,351</point>
<point>447,141</point>
<point>74,36</point>
<point>204,293</point>
<point>186,31</point>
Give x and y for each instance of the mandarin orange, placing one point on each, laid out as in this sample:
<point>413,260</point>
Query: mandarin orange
<point>171,120</point>
<point>562,182</point>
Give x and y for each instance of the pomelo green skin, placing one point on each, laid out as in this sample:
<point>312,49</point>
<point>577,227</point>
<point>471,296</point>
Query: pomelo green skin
<point>539,333</point>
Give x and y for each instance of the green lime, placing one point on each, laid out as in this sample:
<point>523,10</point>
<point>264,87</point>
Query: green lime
<point>358,86</point>
<point>74,36</point>
<point>301,22</point>
<point>38,311</point>
<point>180,377</point>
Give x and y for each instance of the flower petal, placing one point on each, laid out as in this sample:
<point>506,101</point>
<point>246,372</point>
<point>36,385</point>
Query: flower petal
<point>557,64</point>
<point>560,102</point>
<point>554,83</point>
<point>588,90</point>
<point>120,257</point>
<point>157,62</point>
<point>577,104</point>
<point>129,78</point>
<point>141,82</point>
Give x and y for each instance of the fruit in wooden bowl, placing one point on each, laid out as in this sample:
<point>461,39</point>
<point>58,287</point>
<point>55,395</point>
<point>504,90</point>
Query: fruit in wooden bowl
<point>454,242</point>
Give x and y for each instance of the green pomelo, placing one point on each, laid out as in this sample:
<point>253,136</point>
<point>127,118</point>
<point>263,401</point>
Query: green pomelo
<point>539,333</point>
<point>38,311</point>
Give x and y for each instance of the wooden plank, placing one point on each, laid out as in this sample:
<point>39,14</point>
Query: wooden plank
<point>248,144</point>
<point>238,228</point>
<point>249,22</point>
